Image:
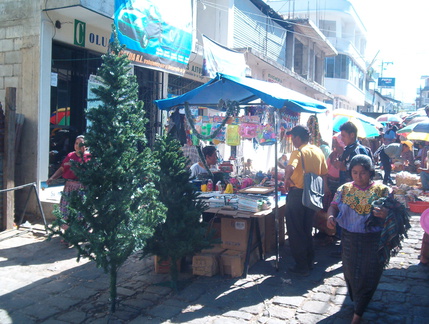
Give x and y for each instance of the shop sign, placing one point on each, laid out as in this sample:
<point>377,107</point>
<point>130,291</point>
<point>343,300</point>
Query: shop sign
<point>274,79</point>
<point>386,82</point>
<point>79,33</point>
<point>91,39</point>
<point>154,34</point>
<point>195,72</point>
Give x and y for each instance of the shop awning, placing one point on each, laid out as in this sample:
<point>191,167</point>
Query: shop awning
<point>244,91</point>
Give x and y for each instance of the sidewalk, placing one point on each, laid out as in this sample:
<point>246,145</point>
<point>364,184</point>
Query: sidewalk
<point>43,283</point>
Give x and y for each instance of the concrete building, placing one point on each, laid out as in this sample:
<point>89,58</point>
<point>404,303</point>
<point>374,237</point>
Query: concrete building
<point>423,93</point>
<point>340,23</point>
<point>49,51</point>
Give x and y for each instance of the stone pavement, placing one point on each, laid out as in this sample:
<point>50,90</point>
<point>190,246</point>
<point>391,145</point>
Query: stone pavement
<point>41,282</point>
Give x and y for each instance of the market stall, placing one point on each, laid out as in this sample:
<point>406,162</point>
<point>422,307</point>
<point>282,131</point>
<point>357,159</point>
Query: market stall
<point>229,94</point>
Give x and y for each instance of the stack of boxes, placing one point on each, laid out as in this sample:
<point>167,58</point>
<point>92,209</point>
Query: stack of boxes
<point>235,235</point>
<point>228,257</point>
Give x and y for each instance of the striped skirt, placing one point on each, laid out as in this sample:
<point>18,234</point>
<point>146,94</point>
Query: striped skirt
<point>361,266</point>
<point>69,187</point>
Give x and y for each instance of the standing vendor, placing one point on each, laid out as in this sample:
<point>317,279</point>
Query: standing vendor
<point>210,156</point>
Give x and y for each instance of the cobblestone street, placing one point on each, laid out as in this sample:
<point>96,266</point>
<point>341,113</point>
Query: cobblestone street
<point>45,284</point>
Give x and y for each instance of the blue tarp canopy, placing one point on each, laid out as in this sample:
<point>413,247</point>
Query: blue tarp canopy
<point>244,91</point>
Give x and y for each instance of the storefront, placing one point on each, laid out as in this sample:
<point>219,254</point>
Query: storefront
<point>73,46</point>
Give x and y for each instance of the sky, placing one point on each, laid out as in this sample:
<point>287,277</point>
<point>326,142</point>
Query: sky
<point>398,30</point>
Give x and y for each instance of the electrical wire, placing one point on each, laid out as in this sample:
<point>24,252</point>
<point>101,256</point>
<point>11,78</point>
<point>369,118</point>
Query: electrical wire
<point>225,9</point>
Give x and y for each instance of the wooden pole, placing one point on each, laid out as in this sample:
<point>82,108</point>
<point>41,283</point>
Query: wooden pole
<point>9,159</point>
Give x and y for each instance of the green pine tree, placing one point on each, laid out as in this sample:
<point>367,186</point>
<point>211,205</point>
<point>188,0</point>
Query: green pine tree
<point>119,208</point>
<point>182,234</point>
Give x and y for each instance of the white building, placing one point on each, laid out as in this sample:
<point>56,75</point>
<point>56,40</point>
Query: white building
<point>340,23</point>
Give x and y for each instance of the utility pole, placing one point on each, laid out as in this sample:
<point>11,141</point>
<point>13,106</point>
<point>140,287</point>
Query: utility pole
<point>382,69</point>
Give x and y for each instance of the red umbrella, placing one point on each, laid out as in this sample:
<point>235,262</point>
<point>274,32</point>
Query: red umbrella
<point>389,118</point>
<point>61,117</point>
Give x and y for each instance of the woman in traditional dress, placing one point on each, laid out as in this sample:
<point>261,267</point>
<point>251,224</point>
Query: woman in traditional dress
<point>79,155</point>
<point>351,208</point>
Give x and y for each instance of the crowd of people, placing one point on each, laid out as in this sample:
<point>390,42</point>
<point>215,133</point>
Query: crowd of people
<point>351,203</point>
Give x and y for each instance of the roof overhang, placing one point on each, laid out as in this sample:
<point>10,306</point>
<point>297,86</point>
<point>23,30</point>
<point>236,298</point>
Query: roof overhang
<point>83,13</point>
<point>295,81</point>
<point>306,28</point>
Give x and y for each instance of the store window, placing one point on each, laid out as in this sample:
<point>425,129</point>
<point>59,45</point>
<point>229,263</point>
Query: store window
<point>178,85</point>
<point>71,68</point>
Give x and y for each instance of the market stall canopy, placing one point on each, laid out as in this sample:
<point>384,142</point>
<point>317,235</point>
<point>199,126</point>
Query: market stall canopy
<point>244,91</point>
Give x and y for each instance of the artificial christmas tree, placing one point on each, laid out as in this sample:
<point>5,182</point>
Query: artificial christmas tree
<point>118,208</point>
<point>182,234</point>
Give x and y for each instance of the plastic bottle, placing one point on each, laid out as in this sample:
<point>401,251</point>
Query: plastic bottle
<point>210,185</point>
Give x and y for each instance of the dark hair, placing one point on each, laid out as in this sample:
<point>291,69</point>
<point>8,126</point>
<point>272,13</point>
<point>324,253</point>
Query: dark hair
<point>363,160</point>
<point>301,131</point>
<point>209,150</point>
<point>349,128</point>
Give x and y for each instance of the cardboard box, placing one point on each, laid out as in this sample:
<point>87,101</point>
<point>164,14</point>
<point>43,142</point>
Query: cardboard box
<point>164,266</point>
<point>216,249</point>
<point>232,263</point>
<point>207,262</point>
<point>215,226</point>
<point>235,233</point>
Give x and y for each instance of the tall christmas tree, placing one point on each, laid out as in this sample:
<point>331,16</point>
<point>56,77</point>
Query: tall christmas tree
<point>182,234</point>
<point>118,209</point>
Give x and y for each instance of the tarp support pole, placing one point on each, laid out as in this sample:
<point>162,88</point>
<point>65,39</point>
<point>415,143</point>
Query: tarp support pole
<point>276,185</point>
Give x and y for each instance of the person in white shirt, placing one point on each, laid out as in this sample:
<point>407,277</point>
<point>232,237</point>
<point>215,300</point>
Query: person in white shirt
<point>210,156</point>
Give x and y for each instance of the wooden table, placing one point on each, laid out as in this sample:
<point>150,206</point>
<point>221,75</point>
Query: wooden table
<point>254,225</point>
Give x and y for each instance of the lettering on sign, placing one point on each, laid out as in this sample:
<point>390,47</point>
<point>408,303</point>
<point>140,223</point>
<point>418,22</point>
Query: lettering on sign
<point>79,33</point>
<point>98,40</point>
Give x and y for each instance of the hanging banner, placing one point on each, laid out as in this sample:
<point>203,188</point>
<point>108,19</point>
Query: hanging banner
<point>157,34</point>
<point>218,58</point>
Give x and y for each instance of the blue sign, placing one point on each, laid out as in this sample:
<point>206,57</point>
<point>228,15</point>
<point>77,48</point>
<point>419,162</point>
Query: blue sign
<point>157,34</point>
<point>386,82</point>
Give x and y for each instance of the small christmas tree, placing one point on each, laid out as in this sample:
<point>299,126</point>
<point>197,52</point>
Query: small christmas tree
<point>182,233</point>
<point>118,209</point>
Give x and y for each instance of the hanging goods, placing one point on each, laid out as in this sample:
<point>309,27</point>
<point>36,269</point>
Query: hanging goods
<point>266,135</point>
<point>232,135</point>
<point>312,196</point>
<point>221,135</point>
<point>248,130</point>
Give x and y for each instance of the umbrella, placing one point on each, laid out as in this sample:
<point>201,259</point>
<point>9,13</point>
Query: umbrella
<point>389,118</point>
<point>406,130</point>
<point>418,113</point>
<point>367,126</point>
<point>355,114</point>
<point>416,131</point>
<point>365,129</point>
<point>61,117</point>
<point>417,119</point>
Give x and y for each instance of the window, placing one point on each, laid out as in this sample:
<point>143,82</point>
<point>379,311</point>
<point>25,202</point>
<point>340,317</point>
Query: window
<point>343,67</point>
<point>328,27</point>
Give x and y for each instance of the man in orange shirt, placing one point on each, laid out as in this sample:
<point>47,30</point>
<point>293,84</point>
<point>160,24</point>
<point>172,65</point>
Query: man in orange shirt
<point>299,218</point>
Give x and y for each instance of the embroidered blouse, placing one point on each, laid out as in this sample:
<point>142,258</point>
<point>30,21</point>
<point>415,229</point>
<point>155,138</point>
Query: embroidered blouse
<point>354,204</point>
